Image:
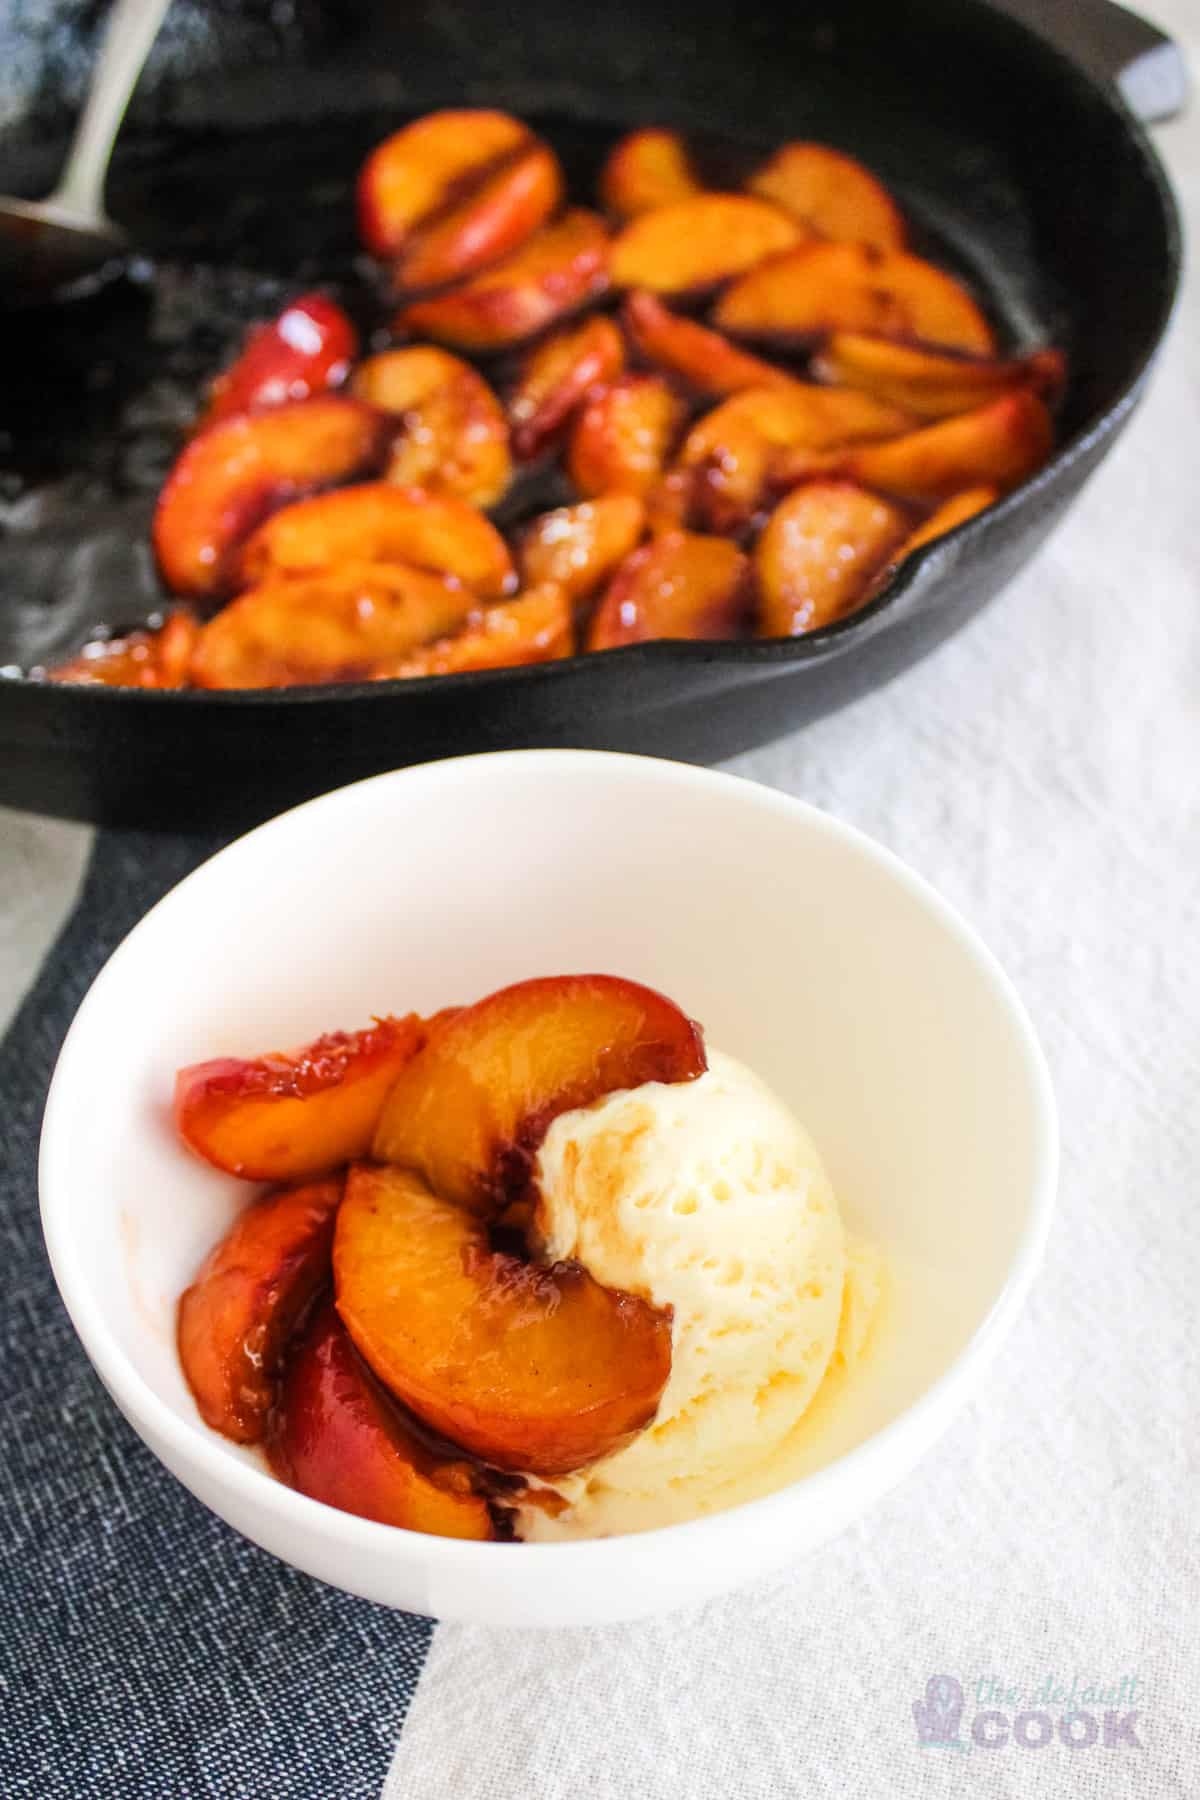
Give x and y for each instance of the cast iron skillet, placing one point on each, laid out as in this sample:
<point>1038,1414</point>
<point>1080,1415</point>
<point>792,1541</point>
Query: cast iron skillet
<point>1019,167</point>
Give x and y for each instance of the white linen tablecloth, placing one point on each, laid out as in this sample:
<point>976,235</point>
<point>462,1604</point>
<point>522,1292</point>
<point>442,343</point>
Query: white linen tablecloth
<point>1043,770</point>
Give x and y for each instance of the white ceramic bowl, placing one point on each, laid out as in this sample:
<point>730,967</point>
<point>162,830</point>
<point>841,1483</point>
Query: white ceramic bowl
<point>802,947</point>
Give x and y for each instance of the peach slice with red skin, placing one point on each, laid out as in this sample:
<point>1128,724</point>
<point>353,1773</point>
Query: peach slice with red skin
<point>470,1113</point>
<point>997,445</point>
<point>683,585</point>
<point>337,1437</point>
<point>536,1369</point>
<point>732,447</point>
<point>578,547</point>
<point>557,376</point>
<point>455,436</point>
<point>236,1318</point>
<point>818,553</point>
<point>306,349</point>
<point>823,287</point>
<point>504,210</point>
<point>236,472</point>
<point>144,659</point>
<point>622,439</point>
<point>694,245</point>
<point>708,362</point>
<point>288,1117</point>
<point>832,194</point>
<point>560,269</point>
<point>332,625</point>
<point>376,522</point>
<point>930,383</point>
<point>647,169</point>
<point>420,169</point>
<point>536,627</point>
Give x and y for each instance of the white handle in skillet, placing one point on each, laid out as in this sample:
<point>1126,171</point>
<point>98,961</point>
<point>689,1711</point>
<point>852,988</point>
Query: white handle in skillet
<point>1113,44</point>
<point>132,28</point>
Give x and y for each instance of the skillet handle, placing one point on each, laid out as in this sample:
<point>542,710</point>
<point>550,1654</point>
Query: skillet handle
<point>1113,45</point>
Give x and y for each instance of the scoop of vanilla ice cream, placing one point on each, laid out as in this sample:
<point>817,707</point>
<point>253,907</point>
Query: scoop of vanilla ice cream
<point>709,1197</point>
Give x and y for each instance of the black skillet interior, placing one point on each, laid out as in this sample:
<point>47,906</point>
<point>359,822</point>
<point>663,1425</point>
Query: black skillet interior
<point>1013,167</point>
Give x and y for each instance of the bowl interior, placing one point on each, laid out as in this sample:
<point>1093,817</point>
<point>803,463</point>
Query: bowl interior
<point>802,948</point>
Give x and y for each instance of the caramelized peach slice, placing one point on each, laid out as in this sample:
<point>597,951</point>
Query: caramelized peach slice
<point>338,1438</point>
<point>308,348</point>
<point>333,625</point>
<point>534,1369</point>
<point>455,435</point>
<point>557,376</point>
<point>144,659</point>
<point>669,503</point>
<point>929,384</point>
<point>505,209</point>
<point>471,1112</point>
<point>832,194</point>
<point>287,1117</point>
<point>419,169</point>
<point>816,557</point>
<point>708,362</point>
<point>825,287</point>
<point>236,1318</point>
<point>732,447</point>
<point>997,445</point>
<point>948,517</point>
<point>578,547</point>
<point>682,585</point>
<point>534,628</point>
<point>622,439</point>
<point>696,244</point>
<point>376,522</point>
<point>647,169</point>
<point>238,471</point>
<point>560,269</point>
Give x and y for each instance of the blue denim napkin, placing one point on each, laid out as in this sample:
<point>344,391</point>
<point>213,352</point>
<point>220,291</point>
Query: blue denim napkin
<point>145,1648</point>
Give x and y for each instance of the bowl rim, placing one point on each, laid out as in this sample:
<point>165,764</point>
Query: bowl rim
<point>260,1492</point>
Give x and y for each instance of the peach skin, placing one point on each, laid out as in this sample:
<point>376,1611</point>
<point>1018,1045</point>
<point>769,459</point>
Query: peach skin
<point>559,269</point>
<point>505,209</point>
<point>706,361</point>
<point>420,169</point>
<point>557,376</point>
<point>236,1318</point>
<point>340,1439</point>
<point>307,348</point>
